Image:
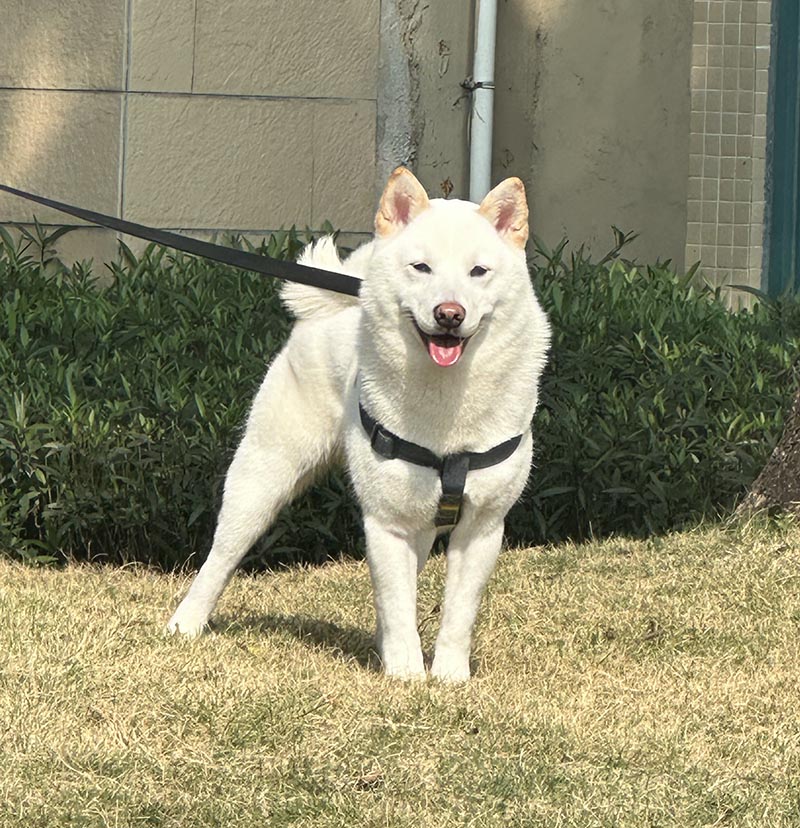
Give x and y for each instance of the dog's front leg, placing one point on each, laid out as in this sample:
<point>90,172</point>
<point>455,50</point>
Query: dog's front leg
<point>394,559</point>
<point>471,558</point>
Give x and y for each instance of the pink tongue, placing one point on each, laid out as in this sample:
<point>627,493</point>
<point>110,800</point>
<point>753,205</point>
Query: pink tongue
<point>444,355</point>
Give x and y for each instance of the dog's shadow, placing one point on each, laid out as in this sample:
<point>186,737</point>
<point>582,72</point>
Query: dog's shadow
<point>347,644</point>
<point>344,643</point>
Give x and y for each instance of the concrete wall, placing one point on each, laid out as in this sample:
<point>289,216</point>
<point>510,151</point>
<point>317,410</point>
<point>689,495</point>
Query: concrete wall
<point>244,116</point>
<point>426,52</point>
<point>255,114</point>
<point>592,110</point>
<point>195,115</point>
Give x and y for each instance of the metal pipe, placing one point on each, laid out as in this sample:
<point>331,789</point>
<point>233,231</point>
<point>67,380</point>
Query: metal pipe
<point>480,144</point>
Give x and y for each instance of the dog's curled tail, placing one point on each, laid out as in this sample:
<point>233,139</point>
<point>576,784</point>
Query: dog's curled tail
<point>304,301</point>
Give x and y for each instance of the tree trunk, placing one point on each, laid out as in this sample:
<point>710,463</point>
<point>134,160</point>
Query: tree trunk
<point>778,485</point>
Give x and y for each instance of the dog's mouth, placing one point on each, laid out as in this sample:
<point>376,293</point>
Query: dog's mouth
<point>444,349</point>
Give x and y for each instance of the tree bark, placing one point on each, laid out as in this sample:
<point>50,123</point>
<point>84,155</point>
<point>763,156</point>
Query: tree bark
<point>777,488</point>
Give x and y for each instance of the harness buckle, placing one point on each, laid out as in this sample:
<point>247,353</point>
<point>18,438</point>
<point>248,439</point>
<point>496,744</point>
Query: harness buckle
<point>448,511</point>
<point>383,442</point>
<point>454,478</point>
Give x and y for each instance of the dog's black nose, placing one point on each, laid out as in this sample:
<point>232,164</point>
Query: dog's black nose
<point>449,315</point>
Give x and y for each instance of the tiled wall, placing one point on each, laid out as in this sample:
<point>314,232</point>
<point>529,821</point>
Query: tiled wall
<point>730,75</point>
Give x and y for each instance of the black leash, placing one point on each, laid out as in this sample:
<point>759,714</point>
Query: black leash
<point>292,272</point>
<point>452,468</point>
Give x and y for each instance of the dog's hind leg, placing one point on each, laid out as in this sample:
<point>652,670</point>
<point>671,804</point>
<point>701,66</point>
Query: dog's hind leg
<point>292,432</point>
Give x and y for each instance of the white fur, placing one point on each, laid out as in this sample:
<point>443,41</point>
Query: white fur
<point>306,413</point>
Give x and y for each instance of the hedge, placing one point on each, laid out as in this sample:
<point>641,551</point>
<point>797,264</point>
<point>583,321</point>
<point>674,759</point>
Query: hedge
<point>122,401</point>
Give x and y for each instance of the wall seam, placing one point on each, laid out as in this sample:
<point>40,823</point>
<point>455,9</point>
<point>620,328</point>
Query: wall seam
<point>194,46</point>
<point>178,94</point>
<point>123,115</point>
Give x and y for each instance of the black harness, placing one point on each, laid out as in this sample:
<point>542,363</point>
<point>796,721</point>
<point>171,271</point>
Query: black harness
<point>452,468</point>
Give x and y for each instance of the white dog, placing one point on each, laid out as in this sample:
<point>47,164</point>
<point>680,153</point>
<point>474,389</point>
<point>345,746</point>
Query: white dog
<point>428,381</point>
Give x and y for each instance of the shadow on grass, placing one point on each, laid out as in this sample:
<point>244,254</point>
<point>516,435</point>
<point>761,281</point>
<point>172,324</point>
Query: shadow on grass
<point>345,643</point>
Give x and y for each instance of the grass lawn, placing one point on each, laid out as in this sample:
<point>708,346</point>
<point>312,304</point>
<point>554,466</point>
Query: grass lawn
<point>618,683</point>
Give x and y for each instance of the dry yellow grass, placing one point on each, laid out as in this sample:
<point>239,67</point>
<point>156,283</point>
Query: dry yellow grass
<point>621,683</point>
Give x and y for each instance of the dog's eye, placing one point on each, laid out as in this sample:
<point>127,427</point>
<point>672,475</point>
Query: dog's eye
<point>421,267</point>
<point>479,270</point>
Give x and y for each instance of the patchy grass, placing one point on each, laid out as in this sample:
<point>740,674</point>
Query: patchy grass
<point>621,683</point>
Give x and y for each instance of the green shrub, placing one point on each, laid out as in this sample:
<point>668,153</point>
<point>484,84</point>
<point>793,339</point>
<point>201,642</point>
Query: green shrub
<point>658,406</point>
<point>121,404</point>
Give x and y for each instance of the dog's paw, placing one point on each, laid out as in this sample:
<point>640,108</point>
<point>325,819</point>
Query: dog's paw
<point>404,662</point>
<point>404,673</point>
<point>186,624</point>
<point>450,667</point>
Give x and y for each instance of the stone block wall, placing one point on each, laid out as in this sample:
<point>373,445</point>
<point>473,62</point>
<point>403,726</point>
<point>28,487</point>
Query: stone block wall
<point>193,115</point>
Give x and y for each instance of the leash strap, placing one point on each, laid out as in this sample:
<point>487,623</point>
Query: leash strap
<point>292,272</point>
<point>452,468</point>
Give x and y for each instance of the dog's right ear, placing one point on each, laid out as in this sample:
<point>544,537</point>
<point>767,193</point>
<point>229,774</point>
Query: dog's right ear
<point>506,208</point>
<point>403,199</point>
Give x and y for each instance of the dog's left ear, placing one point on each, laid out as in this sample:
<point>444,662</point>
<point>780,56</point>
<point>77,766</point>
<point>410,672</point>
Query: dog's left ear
<point>506,209</point>
<point>402,200</point>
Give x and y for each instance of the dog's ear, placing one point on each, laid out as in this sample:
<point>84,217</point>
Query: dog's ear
<point>507,210</point>
<point>403,199</point>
